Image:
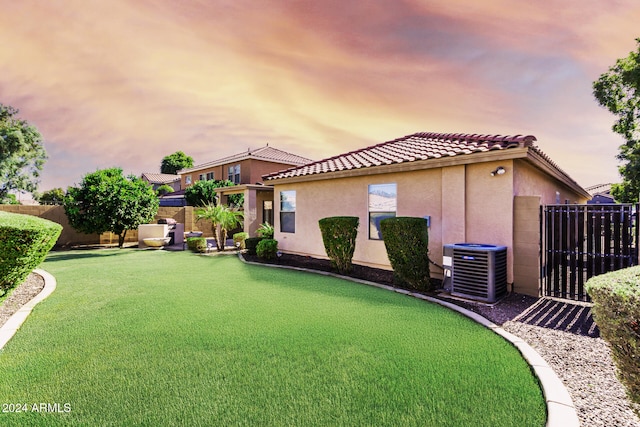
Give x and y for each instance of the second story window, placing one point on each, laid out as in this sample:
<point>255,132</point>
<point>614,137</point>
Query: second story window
<point>210,176</point>
<point>187,179</point>
<point>234,174</point>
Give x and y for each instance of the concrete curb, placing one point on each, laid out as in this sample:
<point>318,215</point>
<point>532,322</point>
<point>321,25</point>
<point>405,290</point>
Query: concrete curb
<point>8,330</point>
<point>560,409</point>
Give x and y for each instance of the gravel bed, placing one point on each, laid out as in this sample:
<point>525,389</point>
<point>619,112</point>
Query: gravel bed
<point>20,296</point>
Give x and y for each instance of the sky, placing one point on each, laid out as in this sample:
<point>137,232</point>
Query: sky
<point>126,82</point>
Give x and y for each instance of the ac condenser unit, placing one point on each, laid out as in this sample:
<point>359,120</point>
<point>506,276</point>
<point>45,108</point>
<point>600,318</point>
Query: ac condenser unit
<point>478,271</point>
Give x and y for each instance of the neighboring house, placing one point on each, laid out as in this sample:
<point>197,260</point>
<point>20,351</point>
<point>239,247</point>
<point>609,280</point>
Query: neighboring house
<point>246,170</point>
<point>600,194</point>
<point>471,188</point>
<point>247,167</point>
<point>159,179</point>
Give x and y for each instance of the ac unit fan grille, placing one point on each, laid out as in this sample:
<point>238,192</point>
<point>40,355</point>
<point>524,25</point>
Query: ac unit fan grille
<point>479,274</point>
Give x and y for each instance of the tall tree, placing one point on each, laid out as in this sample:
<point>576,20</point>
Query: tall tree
<point>108,201</point>
<point>172,163</point>
<point>618,90</point>
<point>22,154</point>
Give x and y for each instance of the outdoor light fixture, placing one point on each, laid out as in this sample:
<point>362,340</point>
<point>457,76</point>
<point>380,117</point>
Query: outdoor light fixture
<point>499,171</point>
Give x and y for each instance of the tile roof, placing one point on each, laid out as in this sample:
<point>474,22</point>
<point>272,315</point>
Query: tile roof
<point>160,178</point>
<point>264,153</point>
<point>410,148</point>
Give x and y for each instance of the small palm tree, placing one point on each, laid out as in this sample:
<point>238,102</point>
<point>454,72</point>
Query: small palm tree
<point>223,218</point>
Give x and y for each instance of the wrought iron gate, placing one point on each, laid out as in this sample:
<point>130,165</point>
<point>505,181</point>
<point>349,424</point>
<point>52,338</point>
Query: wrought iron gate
<point>581,241</point>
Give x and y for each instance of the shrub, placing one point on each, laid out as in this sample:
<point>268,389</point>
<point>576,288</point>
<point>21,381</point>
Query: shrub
<point>240,238</point>
<point>266,230</point>
<point>24,242</point>
<point>267,249</point>
<point>616,310</point>
<point>197,244</point>
<point>407,242</point>
<point>339,238</point>
<point>251,243</point>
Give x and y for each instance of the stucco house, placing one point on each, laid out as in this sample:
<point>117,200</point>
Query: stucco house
<point>159,179</point>
<point>471,188</point>
<point>246,169</point>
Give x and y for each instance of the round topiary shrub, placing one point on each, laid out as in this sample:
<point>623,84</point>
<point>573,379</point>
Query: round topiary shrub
<point>339,237</point>
<point>407,242</point>
<point>197,244</point>
<point>267,249</point>
<point>25,241</point>
<point>616,310</point>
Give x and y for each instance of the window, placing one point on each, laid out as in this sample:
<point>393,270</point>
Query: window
<point>210,176</point>
<point>202,177</point>
<point>288,211</point>
<point>234,174</point>
<point>187,179</point>
<point>382,204</point>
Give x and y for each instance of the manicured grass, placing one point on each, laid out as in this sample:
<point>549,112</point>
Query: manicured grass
<point>157,338</point>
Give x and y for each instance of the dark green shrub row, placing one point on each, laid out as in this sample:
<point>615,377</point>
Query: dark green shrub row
<point>339,238</point>
<point>251,243</point>
<point>407,242</point>
<point>24,243</point>
<point>197,244</point>
<point>267,249</point>
<point>616,310</point>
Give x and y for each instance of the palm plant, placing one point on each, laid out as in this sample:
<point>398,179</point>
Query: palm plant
<point>223,218</point>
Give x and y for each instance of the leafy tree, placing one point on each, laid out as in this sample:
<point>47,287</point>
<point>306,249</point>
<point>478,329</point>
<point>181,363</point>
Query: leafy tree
<point>172,163</point>
<point>618,90</point>
<point>9,199</point>
<point>108,201</point>
<point>164,189</point>
<point>22,154</point>
<point>223,218</point>
<point>202,193</point>
<point>51,197</point>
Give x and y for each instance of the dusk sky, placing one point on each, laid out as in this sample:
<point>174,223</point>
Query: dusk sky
<point>127,82</point>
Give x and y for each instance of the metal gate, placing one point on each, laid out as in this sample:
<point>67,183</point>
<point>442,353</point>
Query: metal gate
<point>581,241</point>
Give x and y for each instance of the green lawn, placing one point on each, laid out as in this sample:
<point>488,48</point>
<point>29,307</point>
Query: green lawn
<point>165,339</point>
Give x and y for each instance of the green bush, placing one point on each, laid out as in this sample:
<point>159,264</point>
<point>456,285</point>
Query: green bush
<point>197,244</point>
<point>267,249</point>
<point>24,242</point>
<point>266,230</point>
<point>251,243</point>
<point>240,238</point>
<point>616,310</point>
<point>339,238</point>
<point>407,242</point>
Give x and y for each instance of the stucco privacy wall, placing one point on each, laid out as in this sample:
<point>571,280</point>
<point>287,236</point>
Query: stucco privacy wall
<point>184,215</point>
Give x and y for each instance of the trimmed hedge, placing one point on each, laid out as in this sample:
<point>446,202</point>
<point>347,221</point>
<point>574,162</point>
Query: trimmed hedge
<point>616,310</point>
<point>267,249</point>
<point>25,241</point>
<point>339,237</point>
<point>251,243</point>
<point>240,238</point>
<point>407,242</point>
<point>197,244</point>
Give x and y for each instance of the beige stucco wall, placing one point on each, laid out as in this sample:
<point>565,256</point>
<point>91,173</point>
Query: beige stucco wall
<point>465,202</point>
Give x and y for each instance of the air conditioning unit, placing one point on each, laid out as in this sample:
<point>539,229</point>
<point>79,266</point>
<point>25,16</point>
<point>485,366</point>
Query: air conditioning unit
<point>478,271</point>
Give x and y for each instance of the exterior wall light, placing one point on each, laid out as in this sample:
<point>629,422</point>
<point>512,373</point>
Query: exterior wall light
<point>499,171</point>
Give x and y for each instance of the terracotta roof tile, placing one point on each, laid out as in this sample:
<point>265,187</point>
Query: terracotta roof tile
<point>410,148</point>
<point>264,153</point>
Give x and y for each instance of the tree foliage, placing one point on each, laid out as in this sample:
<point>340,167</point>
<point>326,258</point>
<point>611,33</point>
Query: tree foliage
<point>22,154</point>
<point>172,163</point>
<point>51,197</point>
<point>108,201</point>
<point>202,193</point>
<point>223,218</point>
<point>618,90</point>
